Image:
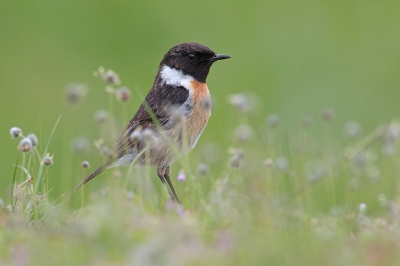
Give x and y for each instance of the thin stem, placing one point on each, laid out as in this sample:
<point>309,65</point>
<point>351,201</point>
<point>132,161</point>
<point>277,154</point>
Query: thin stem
<point>23,166</point>
<point>47,185</point>
<point>124,113</point>
<point>82,192</point>
<point>112,120</point>
<point>147,160</point>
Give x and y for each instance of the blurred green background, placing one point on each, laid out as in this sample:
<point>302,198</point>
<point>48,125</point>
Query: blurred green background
<point>296,56</point>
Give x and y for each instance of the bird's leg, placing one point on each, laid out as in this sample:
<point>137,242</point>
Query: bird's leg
<point>166,175</point>
<point>161,174</point>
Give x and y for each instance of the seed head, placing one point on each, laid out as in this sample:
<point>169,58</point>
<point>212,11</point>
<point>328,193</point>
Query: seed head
<point>33,138</point>
<point>382,199</point>
<point>243,102</point>
<point>392,132</point>
<point>238,101</point>
<point>307,121</point>
<point>105,151</point>
<point>236,161</point>
<point>80,145</point>
<point>315,170</point>
<point>85,164</point>
<point>273,120</point>
<point>47,160</point>
<point>391,137</point>
<point>129,195</point>
<point>123,94</point>
<point>389,148</point>
<point>101,116</point>
<point>74,93</point>
<point>181,176</point>
<point>352,129</point>
<point>244,133</point>
<point>361,159</point>
<point>362,208</point>
<point>117,173</point>
<point>109,76</point>
<point>281,163</point>
<point>269,163</point>
<point>328,114</point>
<point>15,132</point>
<point>25,145</point>
<point>203,169</point>
<point>98,143</point>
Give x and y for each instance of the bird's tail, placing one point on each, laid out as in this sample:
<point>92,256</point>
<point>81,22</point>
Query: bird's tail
<point>100,169</point>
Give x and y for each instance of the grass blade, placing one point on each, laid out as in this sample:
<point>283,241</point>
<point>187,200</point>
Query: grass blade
<point>39,182</point>
<point>12,186</point>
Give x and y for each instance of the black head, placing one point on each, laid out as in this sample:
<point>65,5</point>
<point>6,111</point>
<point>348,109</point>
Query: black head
<point>192,58</point>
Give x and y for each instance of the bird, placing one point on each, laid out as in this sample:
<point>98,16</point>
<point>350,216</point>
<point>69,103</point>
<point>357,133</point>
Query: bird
<point>172,117</point>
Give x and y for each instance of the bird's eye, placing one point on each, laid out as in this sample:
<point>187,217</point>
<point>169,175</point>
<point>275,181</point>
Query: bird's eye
<point>192,57</point>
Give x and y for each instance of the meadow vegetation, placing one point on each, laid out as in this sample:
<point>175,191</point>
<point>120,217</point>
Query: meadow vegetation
<point>269,197</point>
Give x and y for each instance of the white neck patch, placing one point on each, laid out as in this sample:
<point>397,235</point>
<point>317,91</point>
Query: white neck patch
<point>175,77</point>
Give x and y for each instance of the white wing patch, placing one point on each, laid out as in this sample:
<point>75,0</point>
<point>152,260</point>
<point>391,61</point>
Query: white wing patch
<point>175,77</point>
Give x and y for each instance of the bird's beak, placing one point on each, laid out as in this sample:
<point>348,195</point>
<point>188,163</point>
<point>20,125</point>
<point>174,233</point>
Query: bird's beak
<point>219,57</point>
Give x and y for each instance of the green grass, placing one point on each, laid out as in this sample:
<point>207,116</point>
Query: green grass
<point>271,197</point>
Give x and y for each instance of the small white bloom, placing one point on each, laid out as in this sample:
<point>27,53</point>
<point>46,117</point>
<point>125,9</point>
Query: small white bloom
<point>362,208</point>
<point>33,138</point>
<point>273,120</point>
<point>15,132</point>
<point>25,145</point>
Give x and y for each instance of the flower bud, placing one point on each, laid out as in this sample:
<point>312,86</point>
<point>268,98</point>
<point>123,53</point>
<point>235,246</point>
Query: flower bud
<point>203,169</point>
<point>282,163</point>
<point>273,120</point>
<point>109,76</point>
<point>123,94</point>
<point>74,93</point>
<point>47,160</point>
<point>101,116</point>
<point>352,129</point>
<point>244,133</point>
<point>328,114</point>
<point>15,132</point>
<point>236,161</point>
<point>25,145</point>
<point>181,176</point>
<point>269,163</point>
<point>85,164</point>
<point>33,138</point>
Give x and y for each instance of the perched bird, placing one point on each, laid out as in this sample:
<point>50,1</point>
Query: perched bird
<point>173,115</point>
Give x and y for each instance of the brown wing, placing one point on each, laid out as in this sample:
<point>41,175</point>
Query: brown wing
<point>159,99</point>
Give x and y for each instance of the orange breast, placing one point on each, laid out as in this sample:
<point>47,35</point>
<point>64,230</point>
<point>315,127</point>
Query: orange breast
<point>201,108</point>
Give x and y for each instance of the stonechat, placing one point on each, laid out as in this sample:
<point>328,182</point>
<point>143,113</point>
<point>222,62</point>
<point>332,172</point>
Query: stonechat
<point>172,117</point>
